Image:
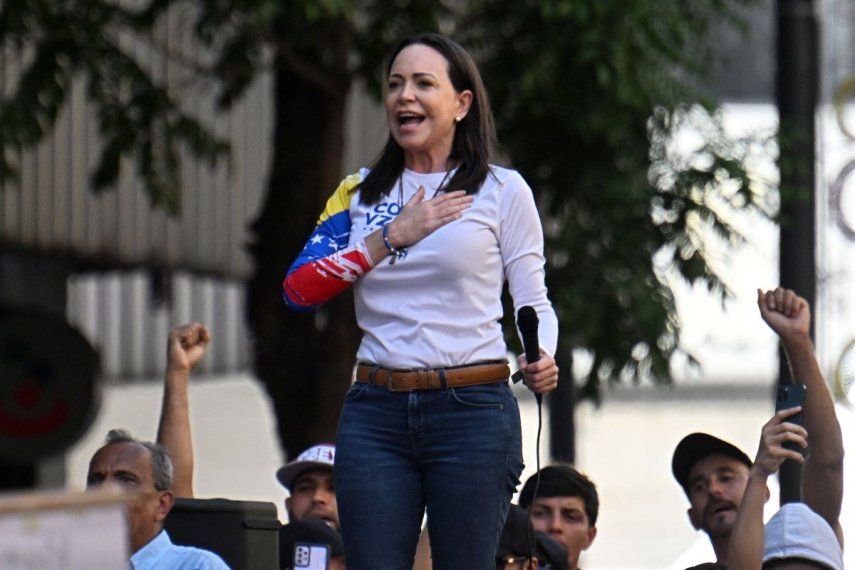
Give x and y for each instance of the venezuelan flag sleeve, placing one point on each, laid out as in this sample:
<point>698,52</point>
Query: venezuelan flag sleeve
<point>327,266</point>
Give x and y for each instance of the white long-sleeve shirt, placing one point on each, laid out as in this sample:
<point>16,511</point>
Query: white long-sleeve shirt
<point>441,304</point>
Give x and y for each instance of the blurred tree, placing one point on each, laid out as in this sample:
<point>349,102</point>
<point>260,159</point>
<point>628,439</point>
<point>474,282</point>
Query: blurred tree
<point>590,98</point>
<point>587,96</point>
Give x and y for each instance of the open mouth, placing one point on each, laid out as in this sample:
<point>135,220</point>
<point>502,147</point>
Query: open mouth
<point>408,119</point>
<point>324,516</point>
<point>721,508</point>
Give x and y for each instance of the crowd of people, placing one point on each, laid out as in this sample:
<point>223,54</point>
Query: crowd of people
<point>556,515</point>
<point>427,237</point>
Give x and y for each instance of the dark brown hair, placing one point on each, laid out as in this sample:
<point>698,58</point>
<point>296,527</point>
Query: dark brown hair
<point>474,138</point>
<point>562,481</point>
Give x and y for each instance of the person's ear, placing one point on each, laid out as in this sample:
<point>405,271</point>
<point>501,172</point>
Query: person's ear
<point>534,563</point>
<point>165,502</point>
<point>464,102</point>
<point>590,536</point>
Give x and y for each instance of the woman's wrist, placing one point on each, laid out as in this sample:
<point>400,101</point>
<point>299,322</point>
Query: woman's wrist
<point>394,251</point>
<point>392,238</point>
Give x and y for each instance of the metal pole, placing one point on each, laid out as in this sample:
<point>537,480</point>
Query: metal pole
<point>562,405</point>
<point>796,86</point>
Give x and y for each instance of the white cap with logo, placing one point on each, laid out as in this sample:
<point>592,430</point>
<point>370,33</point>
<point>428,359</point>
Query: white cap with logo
<point>320,456</point>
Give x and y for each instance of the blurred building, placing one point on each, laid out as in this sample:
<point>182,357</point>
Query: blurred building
<point>119,270</point>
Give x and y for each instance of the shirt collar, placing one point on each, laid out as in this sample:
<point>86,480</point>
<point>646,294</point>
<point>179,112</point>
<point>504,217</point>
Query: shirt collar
<point>148,554</point>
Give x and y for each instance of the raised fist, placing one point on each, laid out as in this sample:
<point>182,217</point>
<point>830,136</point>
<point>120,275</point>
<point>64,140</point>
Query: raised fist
<point>186,347</point>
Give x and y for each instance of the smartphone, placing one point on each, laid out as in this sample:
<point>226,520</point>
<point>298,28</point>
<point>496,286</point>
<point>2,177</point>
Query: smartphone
<point>311,556</point>
<point>790,396</point>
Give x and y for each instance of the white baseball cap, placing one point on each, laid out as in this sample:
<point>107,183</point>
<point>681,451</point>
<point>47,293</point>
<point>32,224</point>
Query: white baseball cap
<point>797,532</point>
<point>321,456</point>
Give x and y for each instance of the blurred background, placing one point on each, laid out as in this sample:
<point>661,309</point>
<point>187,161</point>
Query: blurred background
<point>163,162</point>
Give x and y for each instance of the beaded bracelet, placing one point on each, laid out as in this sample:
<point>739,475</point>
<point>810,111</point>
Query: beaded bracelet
<point>393,251</point>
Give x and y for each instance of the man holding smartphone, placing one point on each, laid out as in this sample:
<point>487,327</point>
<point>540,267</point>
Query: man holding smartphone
<point>807,531</point>
<point>715,474</point>
<point>310,544</point>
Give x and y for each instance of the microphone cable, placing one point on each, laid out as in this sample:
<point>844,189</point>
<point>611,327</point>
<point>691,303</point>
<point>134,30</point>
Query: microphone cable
<point>532,547</point>
<point>516,377</point>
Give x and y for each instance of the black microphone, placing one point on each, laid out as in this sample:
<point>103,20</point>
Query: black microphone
<point>527,322</point>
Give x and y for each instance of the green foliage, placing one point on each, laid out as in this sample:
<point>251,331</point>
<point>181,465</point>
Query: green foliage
<point>137,117</point>
<point>590,99</point>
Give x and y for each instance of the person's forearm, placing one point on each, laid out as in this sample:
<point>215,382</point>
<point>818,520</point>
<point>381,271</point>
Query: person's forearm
<point>314,283</point>
<point>826,443</point>
<point>376,246</point>
<point>822,480</point>
<point>174,431</point>
<point>745,550</point>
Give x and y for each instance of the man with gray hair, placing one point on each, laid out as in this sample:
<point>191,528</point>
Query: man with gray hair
<point>144,471</point>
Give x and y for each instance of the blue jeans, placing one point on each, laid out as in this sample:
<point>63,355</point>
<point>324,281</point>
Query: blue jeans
<point>456,452</point>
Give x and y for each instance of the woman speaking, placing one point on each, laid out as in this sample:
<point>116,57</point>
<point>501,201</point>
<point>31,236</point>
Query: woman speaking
<point>427,236</point>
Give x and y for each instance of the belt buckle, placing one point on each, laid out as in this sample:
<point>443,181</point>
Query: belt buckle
<point>421,379</point>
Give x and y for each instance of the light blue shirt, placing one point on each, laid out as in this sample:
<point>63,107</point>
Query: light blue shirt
<point>161,554</point>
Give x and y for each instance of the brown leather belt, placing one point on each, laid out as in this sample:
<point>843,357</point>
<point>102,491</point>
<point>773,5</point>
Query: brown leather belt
<point>411,379</point>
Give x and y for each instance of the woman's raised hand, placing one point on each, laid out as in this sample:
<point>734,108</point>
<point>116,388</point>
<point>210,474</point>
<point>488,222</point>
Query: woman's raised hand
<point>419,217</point>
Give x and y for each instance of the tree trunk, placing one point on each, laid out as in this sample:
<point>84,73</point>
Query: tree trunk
<point>305,360</point>
<point>562,407</point>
